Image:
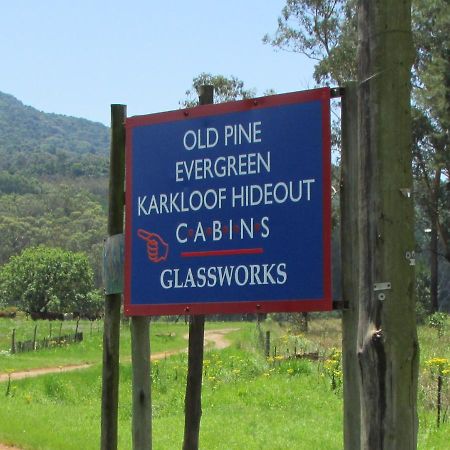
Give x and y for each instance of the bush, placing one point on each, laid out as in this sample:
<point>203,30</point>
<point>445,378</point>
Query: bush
<point>46,279</point>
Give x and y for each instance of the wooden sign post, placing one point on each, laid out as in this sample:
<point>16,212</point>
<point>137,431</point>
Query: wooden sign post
<point>193,398</point>
<point>111,333</point>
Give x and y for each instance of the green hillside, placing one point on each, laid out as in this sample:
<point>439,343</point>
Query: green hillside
<point>37,143</point>
<point>53,182</point>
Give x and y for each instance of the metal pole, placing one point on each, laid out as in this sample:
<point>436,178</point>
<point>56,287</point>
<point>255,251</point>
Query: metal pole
<point>111,332</point>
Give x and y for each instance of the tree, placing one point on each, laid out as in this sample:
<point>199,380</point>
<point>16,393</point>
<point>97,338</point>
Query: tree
<point>326,31</point>
<point>323,30</point>
<point>226,89</point>
<point>60,216</point>
<point>431,81</point>
<point>383,372</point>
<point>43,279</point>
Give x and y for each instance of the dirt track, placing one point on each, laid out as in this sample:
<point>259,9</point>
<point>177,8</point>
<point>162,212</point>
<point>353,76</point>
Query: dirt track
<point>213,338</point>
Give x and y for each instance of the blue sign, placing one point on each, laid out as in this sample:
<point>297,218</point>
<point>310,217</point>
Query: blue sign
<point>228,208</point>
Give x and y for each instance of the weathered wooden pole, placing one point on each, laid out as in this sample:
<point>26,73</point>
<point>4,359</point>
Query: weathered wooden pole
<point>111,331</point>
<point>434,260</point>
<point>387,336</point>
<point>142,405</point>
<point>34,337</point>
<point>13,341</point>
<point>350,266</point>
<point>193,399</point>
<point>267,344</point>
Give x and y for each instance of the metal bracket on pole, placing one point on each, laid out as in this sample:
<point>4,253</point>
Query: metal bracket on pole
<point>340,305</point>
<point>382,287</point>
<point>337,92</point>
<point>113,260</point>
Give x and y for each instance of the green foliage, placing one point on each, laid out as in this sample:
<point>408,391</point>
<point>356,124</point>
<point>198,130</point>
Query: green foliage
<point>439,366</point>
<point>18,184</point>
<point>438,321</point>
<point>423,294</point>
<point>225,89</point>
<point>252,409</point>
<point>53,182</point>
<point>58,216</point>
<point>332,368</point>
<point>92,304</point>
<point>431,95</point>
<point>36,144</point>
<point>324,31</point>
<point>28,127</point>
<point>47,279</point>
<point>431,21</point>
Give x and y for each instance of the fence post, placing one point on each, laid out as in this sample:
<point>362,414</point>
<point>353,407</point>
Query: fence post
<point>439,399</point>
<point>111,326</point>
<point>13,341</point>
<point>34,337</point>
<point>267,344</point>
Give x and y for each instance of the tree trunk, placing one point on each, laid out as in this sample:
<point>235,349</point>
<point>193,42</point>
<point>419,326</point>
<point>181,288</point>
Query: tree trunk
<point>387,335</point>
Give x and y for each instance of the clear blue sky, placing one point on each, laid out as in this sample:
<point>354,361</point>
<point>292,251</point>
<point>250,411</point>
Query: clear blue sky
<point>76,57</point>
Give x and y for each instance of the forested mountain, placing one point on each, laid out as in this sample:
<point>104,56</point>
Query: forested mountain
<point>36,143</point>
<point>53,182</point>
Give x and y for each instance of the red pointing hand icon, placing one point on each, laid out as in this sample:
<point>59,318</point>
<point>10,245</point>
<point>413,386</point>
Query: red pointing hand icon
<point>157,248</point>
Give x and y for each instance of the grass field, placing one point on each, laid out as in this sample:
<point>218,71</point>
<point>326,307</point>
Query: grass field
<point>248,401</point>
<point>164,337</point>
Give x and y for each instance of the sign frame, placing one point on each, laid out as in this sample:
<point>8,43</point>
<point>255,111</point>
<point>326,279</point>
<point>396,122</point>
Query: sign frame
<point>234,307</point>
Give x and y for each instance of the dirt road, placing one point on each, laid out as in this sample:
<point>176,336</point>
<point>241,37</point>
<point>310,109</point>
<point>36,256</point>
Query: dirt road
<point>213,339</point>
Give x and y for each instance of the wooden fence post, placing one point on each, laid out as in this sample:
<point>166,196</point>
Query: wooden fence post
<point>142,404</point>
<point>111,332</point>
<point>193,399</point>
<point>13,341</point>
<point>34,337</point>
<point>267,344</point>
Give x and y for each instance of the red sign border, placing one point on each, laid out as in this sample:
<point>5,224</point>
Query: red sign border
<point>265,306</point>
